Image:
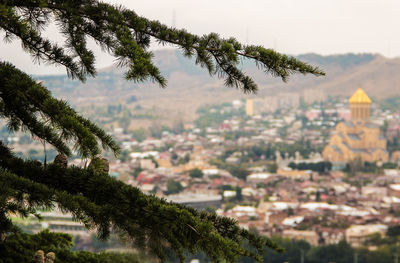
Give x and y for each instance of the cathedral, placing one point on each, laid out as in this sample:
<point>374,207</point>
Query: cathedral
<point>358,138</point>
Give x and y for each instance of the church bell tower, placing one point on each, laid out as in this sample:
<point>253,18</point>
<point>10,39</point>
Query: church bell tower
<point>360,106</point>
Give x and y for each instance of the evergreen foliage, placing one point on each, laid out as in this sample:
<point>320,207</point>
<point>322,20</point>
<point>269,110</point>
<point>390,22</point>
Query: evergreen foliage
<point>99,201</point>
<point>298,251</point>
<point>173,187</point>
<point>20,247</point>
<point>127,36</point>
<point>320,167</point>
<point>196,173</point>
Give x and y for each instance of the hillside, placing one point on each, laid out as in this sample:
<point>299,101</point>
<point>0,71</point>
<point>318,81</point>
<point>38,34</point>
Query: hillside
<point>190,86</point>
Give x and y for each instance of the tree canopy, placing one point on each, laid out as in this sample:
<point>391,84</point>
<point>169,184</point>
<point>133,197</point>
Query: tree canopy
<point>99,201</point>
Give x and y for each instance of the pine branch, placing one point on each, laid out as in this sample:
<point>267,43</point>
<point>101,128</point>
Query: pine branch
<point>40,49</point>
<point>95,198</point>
<point>23,100</point>
<point>127,36</point>
<point>140,216</point>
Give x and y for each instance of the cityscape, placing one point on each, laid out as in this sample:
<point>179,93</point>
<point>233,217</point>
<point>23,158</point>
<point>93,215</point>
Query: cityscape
<point>197,131</point>
<point>299,166</point>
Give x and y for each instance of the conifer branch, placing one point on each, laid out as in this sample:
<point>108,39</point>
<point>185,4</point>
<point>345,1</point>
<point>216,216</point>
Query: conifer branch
<point>127,36</point>
<point>110,203</point>
<point>98,200</point>
<point>22,99</point>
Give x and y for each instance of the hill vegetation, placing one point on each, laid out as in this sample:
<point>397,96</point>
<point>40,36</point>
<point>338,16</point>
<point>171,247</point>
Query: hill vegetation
<point>190,87</point>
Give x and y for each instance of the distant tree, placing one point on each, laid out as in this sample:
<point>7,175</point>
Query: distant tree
<point>328,166</point>
<point>369,167</point>
<point>354,166</point>
<point>318,196</point>
<point>393,231</point>
<point>185,159</point>
<point>226,187</point>
<point>393,145</point>
<point>389,165</point>
<point>173,187</point>
<point>124,155</point>
<point>239,172</point>
<point>272,167</point>
<point>239,196</point>
<point>138,107</point>
<point>139,134</point>
<point>290,211</point>
<point>196,173</point>
<point>174,156</point>
<point>94,198</point>
<point>320,167</point>
<point>341,253</point>
<point>374,239</point>
<point>292,252</point>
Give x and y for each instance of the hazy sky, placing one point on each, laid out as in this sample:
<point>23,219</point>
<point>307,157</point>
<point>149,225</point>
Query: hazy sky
<point>289,26</point>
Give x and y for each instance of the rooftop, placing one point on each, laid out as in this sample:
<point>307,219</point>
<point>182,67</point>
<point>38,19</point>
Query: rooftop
<point>359,97</point>
<point>192,198</point>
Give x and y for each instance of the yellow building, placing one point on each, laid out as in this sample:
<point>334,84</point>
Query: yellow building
<point>358,138</point>
<point>249,107</point>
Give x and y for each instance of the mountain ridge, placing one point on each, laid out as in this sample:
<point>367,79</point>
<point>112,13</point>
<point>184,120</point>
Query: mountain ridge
<point>190,86</point>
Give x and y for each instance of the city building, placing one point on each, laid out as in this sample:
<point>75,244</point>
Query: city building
<point>249,107</point>
<point>356,235</point>
<point>359,138</point>
<point>197,200</point>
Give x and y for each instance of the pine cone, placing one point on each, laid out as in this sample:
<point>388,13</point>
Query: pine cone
<point>38,257</point>
<point>61,160</point>
<point>106,165</point>
<point>50,257</point>
<point>99,165</point>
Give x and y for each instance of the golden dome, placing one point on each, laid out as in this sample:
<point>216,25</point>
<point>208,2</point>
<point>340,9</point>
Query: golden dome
<point>359,97</point>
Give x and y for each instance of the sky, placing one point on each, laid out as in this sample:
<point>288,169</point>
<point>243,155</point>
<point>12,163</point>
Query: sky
<point>289,26</point>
